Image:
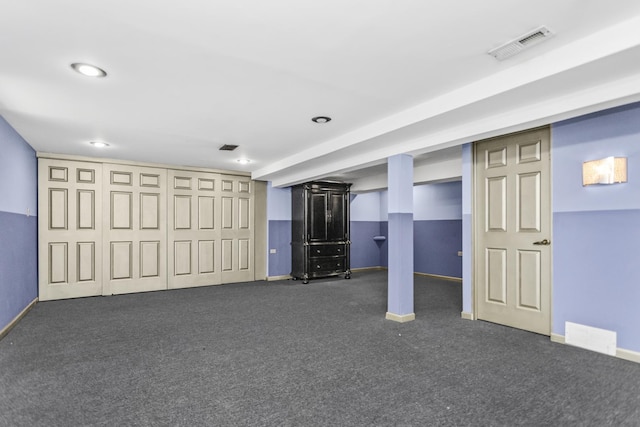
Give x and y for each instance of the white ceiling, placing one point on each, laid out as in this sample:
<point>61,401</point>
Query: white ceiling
<point>408,76</point>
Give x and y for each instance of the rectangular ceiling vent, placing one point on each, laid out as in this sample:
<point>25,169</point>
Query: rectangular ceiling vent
<point>228,147</point>
<point>517,45</point>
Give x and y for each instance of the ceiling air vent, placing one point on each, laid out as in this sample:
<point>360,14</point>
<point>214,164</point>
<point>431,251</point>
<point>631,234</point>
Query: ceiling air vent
<point>517,45</point>
<point>228,147</point>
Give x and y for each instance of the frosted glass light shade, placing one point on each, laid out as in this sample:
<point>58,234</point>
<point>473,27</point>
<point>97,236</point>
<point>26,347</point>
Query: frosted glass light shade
<point>610,170</point>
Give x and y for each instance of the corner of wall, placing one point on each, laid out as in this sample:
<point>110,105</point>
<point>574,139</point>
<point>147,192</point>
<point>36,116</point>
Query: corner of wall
<point>18,224</point>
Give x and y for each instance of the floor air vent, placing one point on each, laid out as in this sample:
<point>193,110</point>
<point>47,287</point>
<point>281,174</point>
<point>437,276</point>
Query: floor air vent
<point>517,45</point>
<point>594,339</point>
<point>228,147</point>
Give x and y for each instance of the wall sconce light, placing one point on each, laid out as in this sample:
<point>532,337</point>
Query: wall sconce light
<point>610,170</point>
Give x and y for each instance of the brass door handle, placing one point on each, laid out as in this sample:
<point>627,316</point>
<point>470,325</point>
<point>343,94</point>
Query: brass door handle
<point>544,242</point>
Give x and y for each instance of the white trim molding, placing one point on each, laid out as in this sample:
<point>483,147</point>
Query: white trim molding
<point>400,318</point>
<point>377,268</point>
<point>14,322</point>
<point>621,353</point>
<point>438,276</point>
<point>630,355</point>
<point>106,160</point>
<point>274,278</point>
<point>467,315</point>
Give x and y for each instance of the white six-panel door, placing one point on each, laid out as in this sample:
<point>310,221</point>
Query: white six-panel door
<point>70,229</point>
<point>513,230</point>
<point>108,228</point>
<point>135,229</point>
<point>237,213</point>
<point>194,229</point>
<point>210,229</point>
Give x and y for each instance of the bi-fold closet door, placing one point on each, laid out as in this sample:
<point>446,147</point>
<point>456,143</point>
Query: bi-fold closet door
<point>194,229</point>
<point>69,229</point>
<point>134,230</point>
<point>210,229</point>
<point>113,229</point>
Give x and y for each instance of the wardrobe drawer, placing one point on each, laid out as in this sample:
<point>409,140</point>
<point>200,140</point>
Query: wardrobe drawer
<point>326,250</point>
<point>317,265</point>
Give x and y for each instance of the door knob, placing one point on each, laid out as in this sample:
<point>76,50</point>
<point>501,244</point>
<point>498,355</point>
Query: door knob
<point>544,242</point>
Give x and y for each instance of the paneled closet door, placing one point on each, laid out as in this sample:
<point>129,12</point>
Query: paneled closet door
<point>194,229</point>
<point>236,227</point>
<point>135,234</point>
<point>69,228</point>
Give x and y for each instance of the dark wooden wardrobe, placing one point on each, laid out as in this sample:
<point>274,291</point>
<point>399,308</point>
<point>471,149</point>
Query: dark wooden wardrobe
<point>320,242</point>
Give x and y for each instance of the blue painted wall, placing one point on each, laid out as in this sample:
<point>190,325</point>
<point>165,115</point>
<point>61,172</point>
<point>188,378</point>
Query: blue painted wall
<point>436,202</point>
<point>18,232</point>
<point>437,229</point>
<point>365,252</point>
<point>467,238</point>
<point>596,229</point>
<point>279,231</point>
<point>436,246</point>
<point>437,233</point>
<point>384,228</point>
<point>365,225</point>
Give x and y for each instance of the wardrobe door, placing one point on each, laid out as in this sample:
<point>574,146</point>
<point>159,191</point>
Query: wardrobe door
<point>194,229</point>
<point>318,215</point>
<point>69,229</point>
<point>337,215</point>
<point>135,229</point>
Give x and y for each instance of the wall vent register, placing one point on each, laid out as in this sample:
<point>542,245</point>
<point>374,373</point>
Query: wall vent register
<point>521,43</point>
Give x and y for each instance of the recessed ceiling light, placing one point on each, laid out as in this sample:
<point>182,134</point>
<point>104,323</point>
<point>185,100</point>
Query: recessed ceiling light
<point>99,144</point>
<point>321,119</point>
<point>243,161</point>
<point>88,70</point>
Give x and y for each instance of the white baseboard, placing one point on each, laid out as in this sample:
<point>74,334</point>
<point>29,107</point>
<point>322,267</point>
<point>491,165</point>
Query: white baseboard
<point>438,276</point>
<point>467,316</point>
<point>287,276</point>
<point>630,355</point>
<point>381,268</point>
<point>621,353</point>
<point>378,268</point>
<point>273,278</point>
<point>400,318</point>
<point>16,319</point>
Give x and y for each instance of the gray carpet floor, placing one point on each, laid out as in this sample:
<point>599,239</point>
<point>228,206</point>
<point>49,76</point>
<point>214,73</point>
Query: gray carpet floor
<point>288,354</point>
